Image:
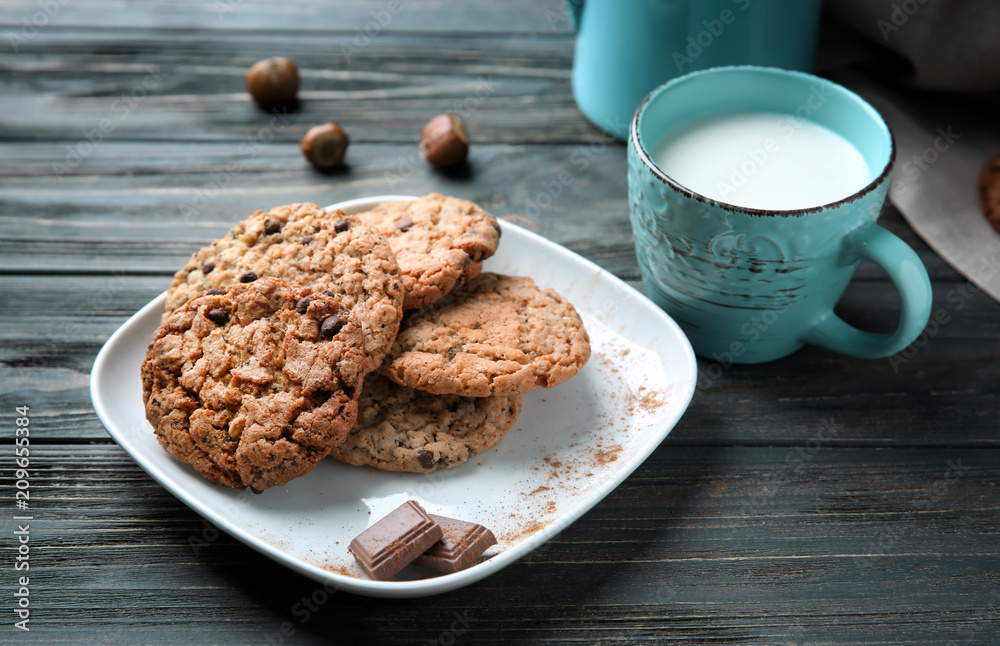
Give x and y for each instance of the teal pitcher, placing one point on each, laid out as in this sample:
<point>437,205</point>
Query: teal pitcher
<point>626,48</point>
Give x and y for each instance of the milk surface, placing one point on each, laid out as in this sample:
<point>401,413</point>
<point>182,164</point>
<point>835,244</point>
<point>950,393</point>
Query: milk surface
<point>763,161</point>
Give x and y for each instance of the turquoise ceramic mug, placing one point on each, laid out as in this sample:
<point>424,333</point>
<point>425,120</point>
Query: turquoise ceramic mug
<point>752,284</point>
<point>626,48</point>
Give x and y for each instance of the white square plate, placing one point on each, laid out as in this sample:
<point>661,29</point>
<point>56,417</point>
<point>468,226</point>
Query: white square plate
<point>570,447</point>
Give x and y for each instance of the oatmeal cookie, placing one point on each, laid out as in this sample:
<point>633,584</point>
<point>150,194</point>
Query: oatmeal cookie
<point>439,241</point>
<point>402,429</point>
<point>498,335</point>
<point>305,245</point>
<point>253,384</point>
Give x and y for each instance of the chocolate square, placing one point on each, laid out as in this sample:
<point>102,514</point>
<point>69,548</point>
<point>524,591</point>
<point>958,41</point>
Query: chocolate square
<point>462,544</point>
<point>392,543</point>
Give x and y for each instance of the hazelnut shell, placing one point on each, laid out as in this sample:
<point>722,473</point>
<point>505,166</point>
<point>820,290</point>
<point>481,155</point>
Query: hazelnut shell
<point>444,141</point>
<point>325,145</point>
<point>273,82</point>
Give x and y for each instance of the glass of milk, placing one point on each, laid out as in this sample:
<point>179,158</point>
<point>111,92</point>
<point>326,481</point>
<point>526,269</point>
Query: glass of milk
<point>753,194</point>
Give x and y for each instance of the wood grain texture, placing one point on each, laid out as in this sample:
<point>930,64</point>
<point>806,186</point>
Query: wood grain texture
<point>842,542</point>
<point>814,500</point>
<point>55,326</point>
<point>144,207</point>
<point>164,85</point>
<point>302,16</point>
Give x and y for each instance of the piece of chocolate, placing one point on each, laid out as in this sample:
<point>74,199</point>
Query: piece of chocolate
<point>214,291</point>
<point>331,325</point>
<point>392,543</point>
<point>426,459</point>
<point>248,277</point>
<point>272,226</point>
<point>341,224</point>
<point>303,305</point>
<point>207,267</point>
<point>217,315</point>
<point>462,544</point>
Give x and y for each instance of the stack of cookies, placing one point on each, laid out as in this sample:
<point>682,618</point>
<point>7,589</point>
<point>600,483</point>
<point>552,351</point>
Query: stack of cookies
<point>372,338</point>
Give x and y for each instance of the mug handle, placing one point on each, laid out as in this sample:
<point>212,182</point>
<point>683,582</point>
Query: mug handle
<point>910,278</point>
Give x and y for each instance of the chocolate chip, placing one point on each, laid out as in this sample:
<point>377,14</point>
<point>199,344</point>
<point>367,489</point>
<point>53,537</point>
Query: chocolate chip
<point>496,225</point>
<point>272,226</point>
<point>329,293</point>
<point>248,277</point>
<point>303,305</point>
<point>404,224</point>
<point>307,238</point>
<point>207,267</point>
<point>331,325</point>
<point>217,315</point>
<point>255,490</point>
<point>341,224</point>
<point>214,291</point>
<point>425,459</point>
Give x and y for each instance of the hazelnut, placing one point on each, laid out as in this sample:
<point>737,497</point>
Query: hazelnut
<point>444,141</point>
<point>324,146</point>
<point>273,82</point>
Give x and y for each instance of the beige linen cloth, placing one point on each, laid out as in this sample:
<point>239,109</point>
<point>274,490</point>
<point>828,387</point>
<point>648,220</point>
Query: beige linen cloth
<point>948,44</point>
<point>932,68</point>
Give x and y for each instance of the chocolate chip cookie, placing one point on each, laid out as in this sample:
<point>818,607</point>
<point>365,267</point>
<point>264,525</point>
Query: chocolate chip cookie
<point>402,429</point>
<point>439,241</point>
<point>498,335</point>
<point>305,245</point>
<point>253,384</point>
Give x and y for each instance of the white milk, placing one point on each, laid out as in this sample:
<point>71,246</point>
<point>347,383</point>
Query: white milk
<point>763,161</point>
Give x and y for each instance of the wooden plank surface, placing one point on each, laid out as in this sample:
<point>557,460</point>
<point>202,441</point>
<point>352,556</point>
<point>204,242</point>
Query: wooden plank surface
<point>55,326</point>
<point>163,85</point>
<point>814,500</point>
<point>300,17</point>
<point>841,542</point>
<point>119,208</point>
